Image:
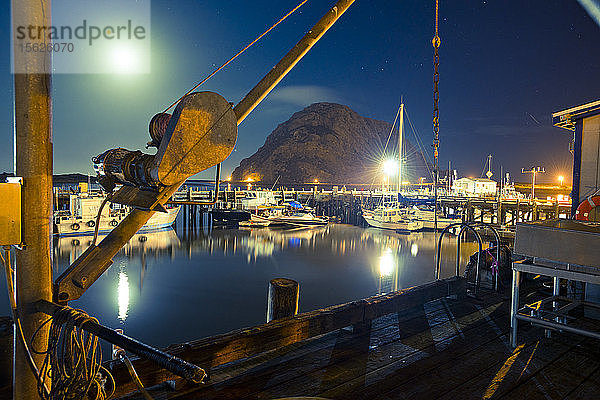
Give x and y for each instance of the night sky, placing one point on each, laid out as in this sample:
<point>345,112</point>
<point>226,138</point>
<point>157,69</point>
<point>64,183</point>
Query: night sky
<point>505,66</point>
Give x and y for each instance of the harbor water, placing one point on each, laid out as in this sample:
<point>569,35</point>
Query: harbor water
<point>177,285</point>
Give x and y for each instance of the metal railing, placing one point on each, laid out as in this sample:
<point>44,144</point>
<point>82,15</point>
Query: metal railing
<point>471,226</point>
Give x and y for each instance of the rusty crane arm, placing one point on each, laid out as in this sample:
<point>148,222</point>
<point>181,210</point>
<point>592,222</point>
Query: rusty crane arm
<point>201,134</point>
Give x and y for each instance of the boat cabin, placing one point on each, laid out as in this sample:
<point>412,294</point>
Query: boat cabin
<point>257,198</point>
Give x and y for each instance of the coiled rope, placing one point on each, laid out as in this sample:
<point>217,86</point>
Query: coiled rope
<point>73,361</point>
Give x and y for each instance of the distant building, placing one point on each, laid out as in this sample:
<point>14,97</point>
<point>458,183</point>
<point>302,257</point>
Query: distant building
<point>584,122</point>
<point>474,187</point>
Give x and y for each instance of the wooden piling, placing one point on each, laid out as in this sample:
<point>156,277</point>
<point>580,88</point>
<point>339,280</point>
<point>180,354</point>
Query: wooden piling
<point>283,298</point>
<point>33,162</point>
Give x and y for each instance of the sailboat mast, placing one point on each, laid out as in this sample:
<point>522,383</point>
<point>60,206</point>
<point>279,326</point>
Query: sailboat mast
<point>400,138</point>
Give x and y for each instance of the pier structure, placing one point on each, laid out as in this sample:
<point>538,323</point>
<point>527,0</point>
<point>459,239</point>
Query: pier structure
<point>346,205</point>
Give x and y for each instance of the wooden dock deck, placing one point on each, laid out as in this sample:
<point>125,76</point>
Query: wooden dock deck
<point>442,349</point>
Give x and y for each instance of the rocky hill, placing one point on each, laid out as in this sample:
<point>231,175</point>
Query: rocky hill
<point>328,142</point>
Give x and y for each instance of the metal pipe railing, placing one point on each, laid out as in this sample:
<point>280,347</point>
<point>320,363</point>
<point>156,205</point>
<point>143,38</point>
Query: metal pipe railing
<point>495,232</point>
<point>463,225</point>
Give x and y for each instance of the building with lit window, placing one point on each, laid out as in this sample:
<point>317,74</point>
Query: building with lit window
<point>474,187</point>
<point>584,122</point>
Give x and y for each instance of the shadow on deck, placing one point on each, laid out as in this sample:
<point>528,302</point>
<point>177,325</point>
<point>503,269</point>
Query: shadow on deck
<point>443,349</point>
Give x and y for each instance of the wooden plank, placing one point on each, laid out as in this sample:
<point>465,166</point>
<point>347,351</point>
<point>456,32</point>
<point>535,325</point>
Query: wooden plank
<point>243,343</point>
<point>385,376</point>
<point>557,379</point>
<point>588,389</point>
<point>397,354</point>
<point>280,370</point>
<point>499,379</point>
<point>485,369</point>
<point>433,376</point>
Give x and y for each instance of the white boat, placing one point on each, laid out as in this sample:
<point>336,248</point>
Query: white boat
<point>256,199</point>
<point>427,218</point>
<point>80,218</point>
<point>294,218</point>
<point>255,222</point>
<point>298,218</point>
<point>390,215</point>
<point>393,218</point>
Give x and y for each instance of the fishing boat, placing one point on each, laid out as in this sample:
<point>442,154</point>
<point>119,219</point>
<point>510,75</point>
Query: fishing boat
<point>256,199</point>
<point>394,218</point>
<point>255,222</point>
<point>80,217</point>
<point>426,215</point>
<point>298,218</point>
<point>291,214</point>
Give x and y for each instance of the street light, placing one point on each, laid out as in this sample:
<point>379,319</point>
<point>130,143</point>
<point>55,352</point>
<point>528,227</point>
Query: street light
<point>533,171</point>
<point>561,179</point>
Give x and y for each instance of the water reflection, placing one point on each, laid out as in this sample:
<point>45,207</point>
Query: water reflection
<point>414,249</point>
<point>157,244</point>
<point>123,294</point>
<point>67,249</point>
<point>210,281</point>
<point>387,263</point>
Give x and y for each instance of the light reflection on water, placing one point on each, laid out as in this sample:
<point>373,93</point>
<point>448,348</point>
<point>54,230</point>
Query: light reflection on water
<point>123,294</point>
<point>177,286</point>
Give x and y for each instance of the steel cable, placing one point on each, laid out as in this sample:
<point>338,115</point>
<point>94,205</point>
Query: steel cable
<point>236,55</point>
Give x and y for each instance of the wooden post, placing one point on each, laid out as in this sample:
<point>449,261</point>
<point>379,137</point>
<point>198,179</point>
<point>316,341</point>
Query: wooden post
<point>470,211</point>
<point>283,298</point>
<point>33,160</point>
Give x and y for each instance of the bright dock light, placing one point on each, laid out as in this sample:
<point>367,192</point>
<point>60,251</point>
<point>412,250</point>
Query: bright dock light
<point>390,167</point>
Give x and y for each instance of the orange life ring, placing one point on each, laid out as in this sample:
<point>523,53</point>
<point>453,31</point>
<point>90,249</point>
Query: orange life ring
<point>583,210</point>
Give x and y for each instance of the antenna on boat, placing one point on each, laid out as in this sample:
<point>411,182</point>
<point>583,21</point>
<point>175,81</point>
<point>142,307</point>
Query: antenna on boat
<point>273,187</point>
<point>436,125</point>
<point>400,138</point>
<point>489,172</point>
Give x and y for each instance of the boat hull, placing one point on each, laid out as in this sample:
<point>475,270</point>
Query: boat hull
<point>283,221</point>
<point>71,226</point>
<point>442,223</point>
<point>403,226</point>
